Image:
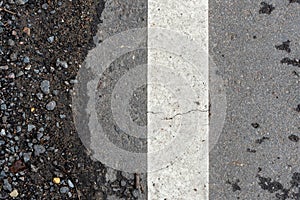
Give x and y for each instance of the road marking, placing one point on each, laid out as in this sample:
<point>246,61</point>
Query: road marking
<point>177,99</point>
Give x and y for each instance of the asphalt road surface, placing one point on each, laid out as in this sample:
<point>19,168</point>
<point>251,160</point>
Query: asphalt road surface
<point>55,91</point>
<point>256,46</point>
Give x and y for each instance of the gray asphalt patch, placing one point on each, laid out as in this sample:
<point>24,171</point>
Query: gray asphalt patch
<point>256,157</point>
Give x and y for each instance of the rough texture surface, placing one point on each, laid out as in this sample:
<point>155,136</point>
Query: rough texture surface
<point>117,17</point>
<point>42,46</point>
<point>256,48</point>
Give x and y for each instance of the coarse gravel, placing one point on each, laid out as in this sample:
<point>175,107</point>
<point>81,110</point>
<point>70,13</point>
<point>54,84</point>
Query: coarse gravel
<point>42,46</point>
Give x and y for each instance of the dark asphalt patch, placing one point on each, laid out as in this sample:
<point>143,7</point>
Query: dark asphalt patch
<point>298,108</point>
<point>285,46</point>
<point>251,150</point>
<point>266,8</point>
<point>235,186</point>
<point>261,140</point>
<point>294,138</point>
<point>281,193</point>
<point>255,125</point>
<point>294,62</point>
<point>268,184</point>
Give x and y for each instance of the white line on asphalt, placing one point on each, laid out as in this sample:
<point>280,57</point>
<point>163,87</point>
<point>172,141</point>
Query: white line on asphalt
<point>178,99</point>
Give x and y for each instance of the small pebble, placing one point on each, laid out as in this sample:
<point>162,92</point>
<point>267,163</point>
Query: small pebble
<point>26,59</point>
<point>28,67</point>
<point>6,185</point>
<point>2,174</point>
<point>30,127</point>
<point>123,183</point>
<point>21,73</point>
<point>62,116</point>
<point>73,81</point>
<point>27,30</point>
<point>21,2</point>
<point>26,156</point>
<point>51,105</point>
<point>63,64</point>
<point>70,184</point>
<point>13,57</point>
<point>11,42</point>
<point>19,129</point>
<point>39,136</point>
<point>14,193</point>
<point>34,168</point>
<point>2,133</point>
<point>45,6</point>
<point>56,180</point>
<point>3,107</point>
<point>135,193</point>
<point>55,92</point>
<point>50,39</point>
<point>39,96</point>
<point>64,190</point>
<point>39,149</point>
<point>45,86</point>
<point>5,67</point>
<point>11,75</point>
<point>4,119</point>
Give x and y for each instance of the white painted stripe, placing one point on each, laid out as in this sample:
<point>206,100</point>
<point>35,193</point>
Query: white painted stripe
<point>178,99</point>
